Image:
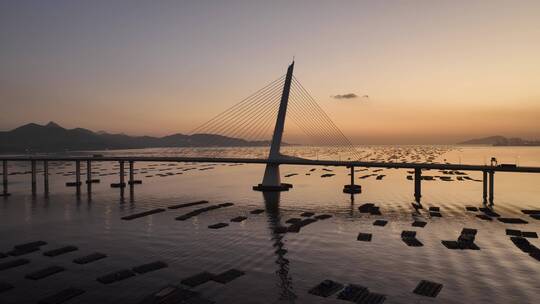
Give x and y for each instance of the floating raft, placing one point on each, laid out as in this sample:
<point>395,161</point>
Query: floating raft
<point>141,214</point>
<point>465,240</point>
<point>187,205</point>
<point>201,210</point>
<point>238,219</point>
<point>5,287</point>
<point>90,258</point>
<point>510,220</point>
<point>43,273</point>
<point>26,248</point>
<point>149,267</point>
<point>293,220</point>
<point>323,216</point>
<point>218,226</point>
<point>364,237</point>
<point>13,264</point>
<point>59,251</point>
<point>435,214</point>
<point>23,251</point>
<point>326,288</point>
<point>116,276</point>
<point>353,293</point>
<point>420,224</point>
<point>62,296</point>
<point>173,294</point>
<point>409,238</point>
<point>489,212</point>
<point>380,223</point>
<point>30,245</point>
<point>372,298</point>
<point>295,227</point>
<point>198,279</point>
<point>428,289</point>
<point>531,211</point>
<point>523,244</point>
<point>227,276</point>
<point>484,217</point>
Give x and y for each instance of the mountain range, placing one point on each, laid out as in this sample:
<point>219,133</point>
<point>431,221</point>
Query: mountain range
<point>499,140</point>
<point>54,138</point>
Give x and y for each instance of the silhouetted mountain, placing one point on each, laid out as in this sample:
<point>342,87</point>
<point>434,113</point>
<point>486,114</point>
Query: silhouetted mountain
<point>500,141</point>
<point>52,137</point>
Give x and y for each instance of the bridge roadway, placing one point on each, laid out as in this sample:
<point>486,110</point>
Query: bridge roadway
<point>488,171</point>
<point>283,161</point>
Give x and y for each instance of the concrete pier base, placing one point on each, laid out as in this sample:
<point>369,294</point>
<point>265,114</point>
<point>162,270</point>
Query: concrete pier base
<point>271,180</point>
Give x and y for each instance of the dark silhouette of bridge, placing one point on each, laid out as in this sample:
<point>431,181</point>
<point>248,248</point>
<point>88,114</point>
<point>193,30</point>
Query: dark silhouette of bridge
<point>249,119</point>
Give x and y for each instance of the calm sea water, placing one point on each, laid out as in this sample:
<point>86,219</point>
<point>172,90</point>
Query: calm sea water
<point>326,249</point>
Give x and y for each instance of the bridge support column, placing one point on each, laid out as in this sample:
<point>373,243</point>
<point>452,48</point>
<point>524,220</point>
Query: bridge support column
<point>132,181</point>
<point>89,176</point>
<point>4,178</point>
<point>33,166</point>
<point>131,173</point>
<point>352,188</point>
<point>484,186</point>
<point>491,187</point>
<point>46,177</point>
<point>78,176</point>
<point>121,184</point>
<point>417,184</point>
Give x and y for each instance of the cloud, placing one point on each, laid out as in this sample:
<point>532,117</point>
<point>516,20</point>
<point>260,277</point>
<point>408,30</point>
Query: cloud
<point>345,96</point>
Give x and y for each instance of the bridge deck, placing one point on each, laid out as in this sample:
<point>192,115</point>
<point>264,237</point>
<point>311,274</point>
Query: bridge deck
<point>295,161</point>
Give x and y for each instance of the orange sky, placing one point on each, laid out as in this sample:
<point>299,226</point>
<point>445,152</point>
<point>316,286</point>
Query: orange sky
<point>436,72</point>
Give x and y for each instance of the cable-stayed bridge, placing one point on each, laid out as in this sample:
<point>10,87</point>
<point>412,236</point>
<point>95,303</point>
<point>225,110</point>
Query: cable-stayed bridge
<point>261,118</point>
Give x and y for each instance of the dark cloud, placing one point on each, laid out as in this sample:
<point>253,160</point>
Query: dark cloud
<point>345,96</point>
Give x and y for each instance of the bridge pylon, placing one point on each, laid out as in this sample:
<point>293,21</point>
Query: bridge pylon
<point>272,179</point>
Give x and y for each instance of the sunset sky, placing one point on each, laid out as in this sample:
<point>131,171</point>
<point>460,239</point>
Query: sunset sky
<point>435,71</point>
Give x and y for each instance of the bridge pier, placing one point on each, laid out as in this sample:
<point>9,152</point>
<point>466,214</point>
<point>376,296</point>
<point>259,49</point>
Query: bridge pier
<point>78,177</point>
<point>484,187</point>
<point>5,192</point>
<point>491,187</point>
<point>352,188</point>
<point>46,177</point>
<point>132,181</point>
<point>89,176</point>
<point>271,180</point>
<point>121,184</point>
<point>417,185</point>
<point>488,187</point>
<point>33,166</point>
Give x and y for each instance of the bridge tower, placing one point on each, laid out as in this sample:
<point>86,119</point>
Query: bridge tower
<point>272,180</point>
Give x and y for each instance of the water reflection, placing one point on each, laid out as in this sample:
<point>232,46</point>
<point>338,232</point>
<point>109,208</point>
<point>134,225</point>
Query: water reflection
<point>271,202</point>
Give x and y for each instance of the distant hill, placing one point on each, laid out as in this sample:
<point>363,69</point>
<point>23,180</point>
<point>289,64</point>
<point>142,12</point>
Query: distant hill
<point>500,141</point>
<point>54,138</point>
